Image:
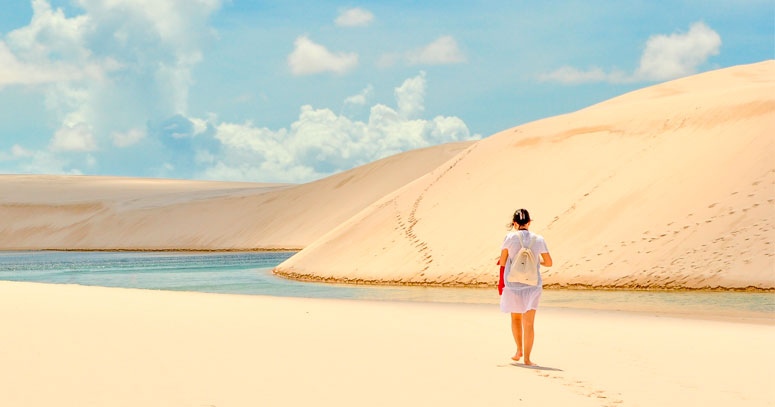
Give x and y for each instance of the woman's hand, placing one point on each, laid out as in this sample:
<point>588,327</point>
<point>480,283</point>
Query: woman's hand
<point>501,283</point>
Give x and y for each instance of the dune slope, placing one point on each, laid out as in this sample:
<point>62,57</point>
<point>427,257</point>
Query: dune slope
<point>666,187</point>
<point>82,212</point>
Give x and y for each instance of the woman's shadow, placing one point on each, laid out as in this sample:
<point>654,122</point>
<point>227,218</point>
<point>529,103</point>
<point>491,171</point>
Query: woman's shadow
<point>533,367</point>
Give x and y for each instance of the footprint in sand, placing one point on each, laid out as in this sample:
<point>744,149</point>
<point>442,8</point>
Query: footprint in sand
<point>582,388</point>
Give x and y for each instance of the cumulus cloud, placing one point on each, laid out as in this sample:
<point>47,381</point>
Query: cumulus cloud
<point>321,142</point>
<point>361,97</point>
<point>310,58</point>
<point>74,137</point>
<point>354,17</point>
<point>117,74</point>
<point>90,66</point>
<point>443,50</point>
<point>676,55</point>
<point>410,96</point>
<point>15,72</point>
<point>664,57</point>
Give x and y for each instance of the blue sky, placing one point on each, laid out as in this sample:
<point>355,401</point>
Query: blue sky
<point>293,91</point>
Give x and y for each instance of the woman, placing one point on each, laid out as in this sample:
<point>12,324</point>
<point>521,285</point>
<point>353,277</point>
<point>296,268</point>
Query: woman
<point>521,300</point>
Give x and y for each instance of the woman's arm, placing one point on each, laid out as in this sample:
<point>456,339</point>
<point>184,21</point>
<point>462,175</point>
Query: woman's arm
<point>546,260</point>
<point>504,256</point>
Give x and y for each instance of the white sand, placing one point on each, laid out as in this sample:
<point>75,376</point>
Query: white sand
<point>94,346</point>
<point>666,187</point>
<point>82,212</point>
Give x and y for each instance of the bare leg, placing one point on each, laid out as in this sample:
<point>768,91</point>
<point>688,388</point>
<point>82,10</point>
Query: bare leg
<point>527,325</point>
<point>516,330</point>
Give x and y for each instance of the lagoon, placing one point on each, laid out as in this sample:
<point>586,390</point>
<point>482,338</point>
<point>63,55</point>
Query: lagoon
<point>250,273</point>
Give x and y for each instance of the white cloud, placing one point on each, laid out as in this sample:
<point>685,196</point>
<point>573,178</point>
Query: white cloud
<point>443,50</point>
<point>320,142</point>
<point>129,138</point>
<point>664,57</point>
<point>361,97</point>
<point>200,125</point>
<point>74,61</point>
<point>74,137</point>
<point>15,72</point>
<point>51,32</point>
<point>676,55</point>
<point>354,17</point>
<point>50,49</point>
<point>410,96</point>
<point>310,58</point>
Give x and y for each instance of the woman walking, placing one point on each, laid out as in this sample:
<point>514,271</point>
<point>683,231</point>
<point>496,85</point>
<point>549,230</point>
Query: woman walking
<point>521,298</point>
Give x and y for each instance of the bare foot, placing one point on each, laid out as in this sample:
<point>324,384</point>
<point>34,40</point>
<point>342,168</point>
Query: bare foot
<point>527,362</point>
<point>517,356</point>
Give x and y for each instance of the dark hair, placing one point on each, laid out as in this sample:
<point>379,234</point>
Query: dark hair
<point>521,217</point>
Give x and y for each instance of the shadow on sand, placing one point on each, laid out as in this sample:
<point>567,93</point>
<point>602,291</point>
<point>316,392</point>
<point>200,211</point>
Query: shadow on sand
<point>536,367</point>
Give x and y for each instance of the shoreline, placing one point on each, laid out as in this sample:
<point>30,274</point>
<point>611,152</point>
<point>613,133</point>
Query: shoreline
<point>744,317</point>
<point>553,286</point>
<point>399,283</point>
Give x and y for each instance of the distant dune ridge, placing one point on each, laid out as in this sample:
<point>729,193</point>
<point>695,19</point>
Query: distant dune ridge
<point>83,212</point>
<point>671,186</point>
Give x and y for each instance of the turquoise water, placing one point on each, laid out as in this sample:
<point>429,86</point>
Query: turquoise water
<point>250,273</point>
<point>219,272</point>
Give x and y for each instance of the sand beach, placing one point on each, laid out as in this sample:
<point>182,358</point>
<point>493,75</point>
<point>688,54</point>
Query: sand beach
<point>70,345</point>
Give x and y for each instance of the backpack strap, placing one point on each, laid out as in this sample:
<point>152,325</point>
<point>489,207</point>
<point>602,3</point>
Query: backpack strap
<point>532,240</point>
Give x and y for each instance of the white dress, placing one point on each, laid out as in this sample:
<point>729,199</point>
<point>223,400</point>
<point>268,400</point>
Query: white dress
<point>519,298</point>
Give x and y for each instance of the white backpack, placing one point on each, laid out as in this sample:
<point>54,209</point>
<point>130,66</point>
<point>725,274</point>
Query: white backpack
<point>524,266</point>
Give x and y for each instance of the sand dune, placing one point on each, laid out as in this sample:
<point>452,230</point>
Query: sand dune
<point>83,212</point>
<point>666,187</point>
<point>96,346</point>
